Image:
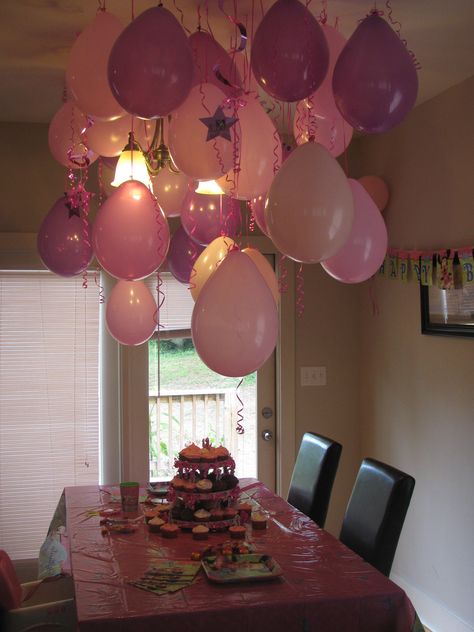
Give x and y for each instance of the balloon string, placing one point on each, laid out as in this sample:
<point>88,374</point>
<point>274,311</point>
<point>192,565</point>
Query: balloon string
<point>198,9</point>
<point>398,29</point>
<point>76,159</point>
<point>323,16</point>
<point>101,6</point>
<point>100,178</point>
<point>276,158</point>
<point>373,297</point>
<point>239,25</point>
<point>240,417</point>
<point>300,291</point>
<point>99,285</point>
<point>251,217</point>
<point>282,275</point>
<point>209,28</point>
<point>132,7</point>
<point>161,243</point>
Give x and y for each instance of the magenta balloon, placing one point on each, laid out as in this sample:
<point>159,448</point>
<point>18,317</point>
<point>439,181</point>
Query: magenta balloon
<point>182,254</point>
<point>209,56</point>
<point>131,313</point>
<point>375,81</point>
<point>67,137</point>
<point>364,251</point>
<point>151,67</point>
<point>257,206</point>
<point>130,234</point>
<point>290,54</point>
<point>86,73</point>
<point>64,241</point>
<point>235,319</point>
<point>322,123</point>
<point>205,217</point>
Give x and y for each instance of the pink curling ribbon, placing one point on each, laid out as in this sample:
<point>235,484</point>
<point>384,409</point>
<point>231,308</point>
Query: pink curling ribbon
<point>283,275</point>
<point>239,25</point>
<point>240,417</point>
<point>99,285</point>
<point>300,291</point>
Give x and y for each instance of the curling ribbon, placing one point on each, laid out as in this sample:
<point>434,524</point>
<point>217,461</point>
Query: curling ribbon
<point>240,417</point>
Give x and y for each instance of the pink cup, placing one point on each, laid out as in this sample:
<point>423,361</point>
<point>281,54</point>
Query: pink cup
<point>129,494</point>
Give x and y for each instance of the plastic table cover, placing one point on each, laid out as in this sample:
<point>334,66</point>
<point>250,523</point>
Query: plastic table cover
<point>325,587</point>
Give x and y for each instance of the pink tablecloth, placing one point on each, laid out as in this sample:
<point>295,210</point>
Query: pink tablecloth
<point>324,588</point>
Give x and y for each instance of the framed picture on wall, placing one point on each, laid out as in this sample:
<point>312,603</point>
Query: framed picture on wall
<point>447,312</point>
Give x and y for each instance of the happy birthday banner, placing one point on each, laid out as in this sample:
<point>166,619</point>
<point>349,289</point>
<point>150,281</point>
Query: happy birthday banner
<point>450,268</point>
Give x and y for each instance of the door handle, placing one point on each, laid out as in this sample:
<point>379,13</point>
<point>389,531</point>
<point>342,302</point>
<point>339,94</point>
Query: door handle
<point>267,435</point>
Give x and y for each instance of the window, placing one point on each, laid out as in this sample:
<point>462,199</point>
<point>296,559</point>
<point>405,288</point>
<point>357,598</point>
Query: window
<point>49,402</point>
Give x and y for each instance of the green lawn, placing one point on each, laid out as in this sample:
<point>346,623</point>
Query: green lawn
<point>181,368</point>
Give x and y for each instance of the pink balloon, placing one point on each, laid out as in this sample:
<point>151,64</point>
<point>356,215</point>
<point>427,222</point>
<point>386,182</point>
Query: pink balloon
<point>86,73</point>
<point>375,82</point>
<point>192,153</point>
<point>289,52</point>
<point>67,137</point>
<point>260,152</point>
<point>324,96</point>
<point>377,189</point>
<point>364,251</point>
<point>325,126</point>
<point>170,190</point>
<point>182,254</point>
<point>151,67</point>
<point>206,217</point>
<point>130,235</point>
<point>64,240</point>
<point>131,313</point>
<point>108,138</point>
<point>209,57</point>
<point>242,63</point>
<point>257,206</point>
<point>235,319</point>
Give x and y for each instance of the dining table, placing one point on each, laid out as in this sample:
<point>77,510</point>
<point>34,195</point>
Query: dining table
<point>323,585</point>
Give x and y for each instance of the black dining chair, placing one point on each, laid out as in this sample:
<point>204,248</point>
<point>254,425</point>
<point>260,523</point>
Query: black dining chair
<point>313,476</point>
<point>376,512</point>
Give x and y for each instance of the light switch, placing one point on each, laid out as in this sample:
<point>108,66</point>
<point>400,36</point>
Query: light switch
<point>313,376</point>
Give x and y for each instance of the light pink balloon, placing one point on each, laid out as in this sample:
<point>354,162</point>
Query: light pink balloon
<point>108,138</point>
<point>130,234</point>
<point>324,96</point>
<point>323,124</point>
<point>86,73</point>
<point>131,313</point>
<point>364,251</point>
<point>67,137</point>
<point>257,206</point>
<point>171,190</point>
<point>260,152</point>
<point>235,319</point>
<point>208,57</point>
<point>191,152</point>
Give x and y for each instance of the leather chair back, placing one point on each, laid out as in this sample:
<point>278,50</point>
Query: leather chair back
<point>376,512</point>
<point>313,476</point>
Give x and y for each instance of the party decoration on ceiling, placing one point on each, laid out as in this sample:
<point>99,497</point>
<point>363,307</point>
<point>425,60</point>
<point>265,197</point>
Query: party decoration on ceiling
<point>67,138</point>
<point>130,235</point>
<point>265,269</point>
<point>290,54</point>
<point>86,72</point>
<point>182,254</point>
<point>108,138</point>
<point>208,262</point>
<point>150,66</point>
<point>259,155</point>
<point>364,251</point>
<point>191,152</point>
<point>64,240</point>
<point>377,188</point>
<point>212,64</point>
<point>309,208</point>
<point>375,82</point>
<point>130,313</point>
<point>171,189</point>
<point>235,332</point>
<point>257,206</point>
<point>218,125</point>
<point>205,217</point>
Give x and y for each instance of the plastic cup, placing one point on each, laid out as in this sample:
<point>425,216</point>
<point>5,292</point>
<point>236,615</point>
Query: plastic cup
<point>129,494</point>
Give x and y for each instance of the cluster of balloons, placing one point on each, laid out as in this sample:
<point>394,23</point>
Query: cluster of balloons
<point>121,79</point>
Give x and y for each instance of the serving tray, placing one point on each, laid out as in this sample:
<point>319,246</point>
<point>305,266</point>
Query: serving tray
<point>248,567</point>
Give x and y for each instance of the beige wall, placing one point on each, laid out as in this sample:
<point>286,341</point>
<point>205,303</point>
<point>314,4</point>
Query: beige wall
<point>416,392</point>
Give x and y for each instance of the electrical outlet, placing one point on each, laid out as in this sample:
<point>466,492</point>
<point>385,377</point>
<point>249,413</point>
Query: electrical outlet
<point>313,376</point>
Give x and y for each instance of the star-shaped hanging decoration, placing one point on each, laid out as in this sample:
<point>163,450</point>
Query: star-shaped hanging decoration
<point>218,125</point>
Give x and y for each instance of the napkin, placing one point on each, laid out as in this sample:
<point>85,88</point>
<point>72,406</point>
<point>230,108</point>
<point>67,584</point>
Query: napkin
<point>168,576</point>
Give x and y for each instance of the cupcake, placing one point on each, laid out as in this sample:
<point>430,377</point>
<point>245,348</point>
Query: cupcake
<point>237,532</point>
<point>222,454</point>
<point>219,485</point>
<point>259,521</point>
<point>155,524</point>
<point>169,530</point>
<point>178,483</point>
<point>229,513</point>
<point>230,481</point>
<point>200,532</point>
<point>149,514</point>
<point>191,453</point>
<point>217,514</point>
<point>244,510</point>
<point>201,515</point>
<point>204,486</point>
<point>162,508</point>
<point>189,487</point>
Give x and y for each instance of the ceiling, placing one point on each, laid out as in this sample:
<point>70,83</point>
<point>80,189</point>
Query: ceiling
<point>36,36</point>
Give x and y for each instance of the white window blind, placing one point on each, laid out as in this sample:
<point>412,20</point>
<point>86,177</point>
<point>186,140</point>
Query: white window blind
<point>177,308</point>
<point>49,400</point>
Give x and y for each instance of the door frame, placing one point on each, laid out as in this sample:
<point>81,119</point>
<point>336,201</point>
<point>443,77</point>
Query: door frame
<point>133,431</point>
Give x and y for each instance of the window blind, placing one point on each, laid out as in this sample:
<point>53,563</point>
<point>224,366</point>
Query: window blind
<point>177,308</point>
<point>49,400</point>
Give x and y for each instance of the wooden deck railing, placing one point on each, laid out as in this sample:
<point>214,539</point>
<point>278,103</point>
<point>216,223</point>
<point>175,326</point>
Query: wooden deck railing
<point>186,416</point>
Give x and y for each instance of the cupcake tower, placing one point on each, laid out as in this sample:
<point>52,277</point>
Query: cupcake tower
<point>205,487</point>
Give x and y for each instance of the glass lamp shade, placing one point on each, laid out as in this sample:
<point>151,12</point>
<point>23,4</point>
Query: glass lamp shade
<point>131,166</point>
<point>209,187</point>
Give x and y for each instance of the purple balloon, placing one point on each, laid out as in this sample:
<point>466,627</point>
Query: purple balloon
<point>290,55</point>
<point>205,217</point>
<point>375,81</point>
<point>64,241</point>
<point>182,254</point>
<point>151,66</point>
